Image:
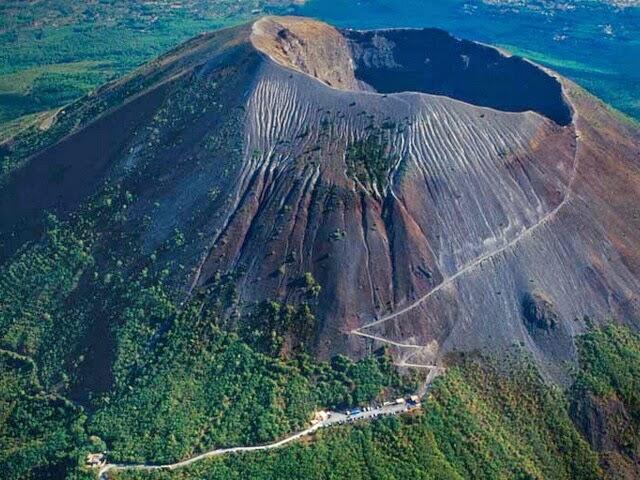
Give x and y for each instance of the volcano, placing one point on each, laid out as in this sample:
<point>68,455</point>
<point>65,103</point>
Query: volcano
<point>444,195</point>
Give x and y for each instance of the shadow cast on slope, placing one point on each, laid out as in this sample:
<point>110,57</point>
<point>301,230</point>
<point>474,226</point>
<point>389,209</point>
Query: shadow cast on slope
<point>432,61</point>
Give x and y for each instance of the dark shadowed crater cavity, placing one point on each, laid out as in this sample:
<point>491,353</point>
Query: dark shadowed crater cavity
<point>432,61</point>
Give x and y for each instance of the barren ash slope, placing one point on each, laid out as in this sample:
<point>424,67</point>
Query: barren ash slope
<point>445,196</point>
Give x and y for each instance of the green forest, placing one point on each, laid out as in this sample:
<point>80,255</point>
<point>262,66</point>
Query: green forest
<point>481,420</point>
<point>190,386</point>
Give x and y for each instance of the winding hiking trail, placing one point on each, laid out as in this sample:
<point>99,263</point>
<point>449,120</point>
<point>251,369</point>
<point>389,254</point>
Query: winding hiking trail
<point>475,263</point>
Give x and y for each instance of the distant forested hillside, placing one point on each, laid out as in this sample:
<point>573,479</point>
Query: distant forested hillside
<point>54,51</point>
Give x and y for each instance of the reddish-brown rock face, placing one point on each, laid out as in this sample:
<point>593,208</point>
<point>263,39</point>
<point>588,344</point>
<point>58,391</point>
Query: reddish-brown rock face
<point>430,217</point>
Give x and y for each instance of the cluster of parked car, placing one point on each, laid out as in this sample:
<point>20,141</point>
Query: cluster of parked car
<point>410,402</point>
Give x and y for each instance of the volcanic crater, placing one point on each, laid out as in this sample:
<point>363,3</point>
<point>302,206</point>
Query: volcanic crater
<point>428,184</point>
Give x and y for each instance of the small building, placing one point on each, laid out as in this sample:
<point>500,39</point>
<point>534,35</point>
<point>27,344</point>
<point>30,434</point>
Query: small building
<point>96,460</point>
<point>415,398</point>
<point>399,401</point>
<point>319,417</point>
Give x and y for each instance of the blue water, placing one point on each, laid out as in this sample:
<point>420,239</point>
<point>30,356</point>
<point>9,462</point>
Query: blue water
<point>589,41</point>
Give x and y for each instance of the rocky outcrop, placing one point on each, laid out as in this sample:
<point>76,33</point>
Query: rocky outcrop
<point>538,312</point>
<point>308,46</point>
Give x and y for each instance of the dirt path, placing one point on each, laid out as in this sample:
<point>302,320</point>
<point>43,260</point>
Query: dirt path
<point>209,454</point>
<point>335,418</point>
<point>475,263</point>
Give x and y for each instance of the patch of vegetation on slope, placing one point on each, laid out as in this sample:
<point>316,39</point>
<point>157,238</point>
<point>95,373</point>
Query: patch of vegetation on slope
<point>41,435</point>
<point>610,361</point>
<point>480,421</point>
<point>34,287</point>
<point>369,160</point>
<point>606,398</point>
<point>267,326</point>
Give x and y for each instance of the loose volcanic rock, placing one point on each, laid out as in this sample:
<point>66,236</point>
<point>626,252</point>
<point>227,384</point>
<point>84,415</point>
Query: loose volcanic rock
<point>427,184</point>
